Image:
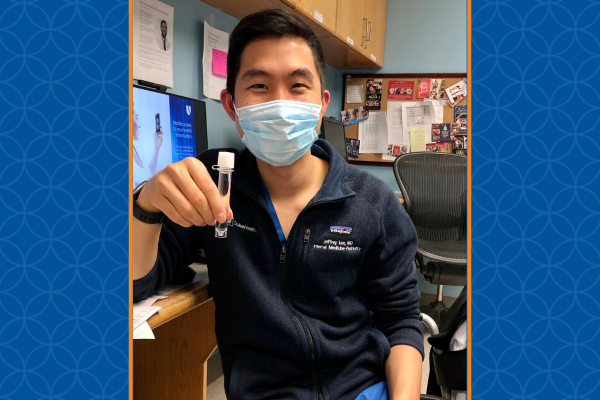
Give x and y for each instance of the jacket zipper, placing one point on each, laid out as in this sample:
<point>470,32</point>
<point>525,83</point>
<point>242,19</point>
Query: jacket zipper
<point>302,261</point>
<point>311,347</point>
<point>309,338</point>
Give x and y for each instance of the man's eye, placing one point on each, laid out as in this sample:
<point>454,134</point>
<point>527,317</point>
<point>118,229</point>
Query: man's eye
<point>299,85</point>
<point>258,86</point>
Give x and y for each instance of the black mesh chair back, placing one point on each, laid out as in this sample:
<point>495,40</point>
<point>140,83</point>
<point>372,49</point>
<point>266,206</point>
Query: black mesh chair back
<point>434,188</point>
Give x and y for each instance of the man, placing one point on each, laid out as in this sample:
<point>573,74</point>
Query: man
<point>163,43</point>
<point>316,243</point>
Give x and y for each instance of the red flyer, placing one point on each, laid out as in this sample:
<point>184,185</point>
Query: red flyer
<point>401,90</point>
<point>431,89</point>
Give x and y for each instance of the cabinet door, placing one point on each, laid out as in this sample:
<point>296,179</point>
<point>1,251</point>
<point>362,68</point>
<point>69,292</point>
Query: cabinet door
<point>375,12</point>
<point>322,11</point>
<point>350,25</point>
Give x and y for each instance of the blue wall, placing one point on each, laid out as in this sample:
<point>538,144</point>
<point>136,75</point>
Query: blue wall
<point>418,39</point>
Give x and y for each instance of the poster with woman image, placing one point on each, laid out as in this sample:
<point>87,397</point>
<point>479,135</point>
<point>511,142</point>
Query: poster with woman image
<point>151,134</point>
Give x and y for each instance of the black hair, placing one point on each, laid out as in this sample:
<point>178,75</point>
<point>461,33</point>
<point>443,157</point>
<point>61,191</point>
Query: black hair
<point>164,22</point>
<point>270,23</point>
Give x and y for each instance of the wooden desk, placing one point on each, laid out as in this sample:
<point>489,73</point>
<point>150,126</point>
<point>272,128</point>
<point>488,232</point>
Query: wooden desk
<point>173,365</point>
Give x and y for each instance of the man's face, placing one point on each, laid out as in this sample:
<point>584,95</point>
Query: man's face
<point>163,29</point>
<point>278,69</point>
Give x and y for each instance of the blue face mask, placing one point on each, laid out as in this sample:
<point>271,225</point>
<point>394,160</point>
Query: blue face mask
<point>279,132</point>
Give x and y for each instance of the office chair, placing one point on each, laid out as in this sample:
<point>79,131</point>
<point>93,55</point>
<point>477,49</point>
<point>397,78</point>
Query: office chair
<point>448,363</point>
<point>434,188</point>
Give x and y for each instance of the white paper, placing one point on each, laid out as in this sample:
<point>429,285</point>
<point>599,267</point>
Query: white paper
<point>354,94</point>
<point>213,39</point>
<point>415,115</point>
<point>438,109</point>
<point>394,123</point>
<point>153,52</point>
<point>373,133</point>
<point>149,301</point>
<point>143,332</point>
<point>141,314</point>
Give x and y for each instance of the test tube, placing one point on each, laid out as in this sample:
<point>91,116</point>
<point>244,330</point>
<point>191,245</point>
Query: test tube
<point>225,168</point>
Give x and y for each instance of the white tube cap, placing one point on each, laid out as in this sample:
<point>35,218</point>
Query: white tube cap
<point>226,159</point>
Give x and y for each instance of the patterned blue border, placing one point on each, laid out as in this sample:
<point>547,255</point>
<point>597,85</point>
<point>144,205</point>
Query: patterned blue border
<point>535,203</point>
<point>64,78</point>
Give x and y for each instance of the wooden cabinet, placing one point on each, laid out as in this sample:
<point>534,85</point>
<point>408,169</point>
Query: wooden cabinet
<point>321,11</point>
<point>341,20</point>
<point>351,24</point>
<point>375,13</point>
<point>361,23</point>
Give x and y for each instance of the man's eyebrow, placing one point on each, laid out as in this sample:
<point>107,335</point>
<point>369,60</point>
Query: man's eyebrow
<point>255,72</point>
<point>303,72</point>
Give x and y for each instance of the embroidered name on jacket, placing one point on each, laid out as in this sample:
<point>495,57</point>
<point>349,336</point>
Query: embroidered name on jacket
<point>341,230</point>
<point>242,226</point>
<point>338,245</point>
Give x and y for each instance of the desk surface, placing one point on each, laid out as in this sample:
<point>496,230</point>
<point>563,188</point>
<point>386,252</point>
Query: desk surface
<point>182,299</point>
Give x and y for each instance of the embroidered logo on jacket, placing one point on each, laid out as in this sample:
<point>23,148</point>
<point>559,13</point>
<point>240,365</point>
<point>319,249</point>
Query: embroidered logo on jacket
<point>340,230</point>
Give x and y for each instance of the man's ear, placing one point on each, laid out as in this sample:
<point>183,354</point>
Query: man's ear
<point>227,103</point>
<point>325,102</point>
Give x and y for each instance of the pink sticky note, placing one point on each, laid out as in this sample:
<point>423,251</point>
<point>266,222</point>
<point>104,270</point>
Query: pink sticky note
<point>219,62</point>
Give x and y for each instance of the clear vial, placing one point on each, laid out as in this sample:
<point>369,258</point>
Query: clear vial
<point>225,169</point>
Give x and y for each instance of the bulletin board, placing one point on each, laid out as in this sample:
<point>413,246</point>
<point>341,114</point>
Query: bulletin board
<point>361,79</point>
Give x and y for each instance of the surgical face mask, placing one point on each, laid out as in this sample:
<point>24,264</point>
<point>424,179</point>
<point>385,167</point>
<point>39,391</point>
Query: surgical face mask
<point>279,132</point>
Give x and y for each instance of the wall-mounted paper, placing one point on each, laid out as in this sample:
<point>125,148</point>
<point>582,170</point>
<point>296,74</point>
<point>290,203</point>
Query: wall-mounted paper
<point>394,123</point>
<point>153,42</point>
<point>418,140</point>
<point>213,39</point>
<point>219,62</point>
<point>438,109</point>
<point>417,114</point>
<point>354,94</point>
<point>372,133</point>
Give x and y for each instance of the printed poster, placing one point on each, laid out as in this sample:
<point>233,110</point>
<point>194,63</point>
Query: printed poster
<point>374,87</point>
<point>355,115</point>
<point>457,92</point>
<point>153,42</point>
<point>401,90</point>
<point>431,89</point>
<point>460,117</point>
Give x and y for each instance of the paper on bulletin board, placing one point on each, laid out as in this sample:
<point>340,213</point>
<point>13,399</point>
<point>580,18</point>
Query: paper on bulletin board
<point>213,39</point>
<point>373,133</point>
<point>416,115</point>
<point>153,42</point>
<point>394,123</point>
<point>354,94</point>
<point>418,140</point>
<point>438,109</point>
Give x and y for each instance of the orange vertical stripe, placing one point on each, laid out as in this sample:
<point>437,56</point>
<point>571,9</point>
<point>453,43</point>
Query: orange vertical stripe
<point>130,201</point>
<point>469,163</point>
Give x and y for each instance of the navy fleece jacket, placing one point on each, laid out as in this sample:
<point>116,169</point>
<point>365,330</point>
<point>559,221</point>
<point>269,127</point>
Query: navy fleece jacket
<point>293,322</point>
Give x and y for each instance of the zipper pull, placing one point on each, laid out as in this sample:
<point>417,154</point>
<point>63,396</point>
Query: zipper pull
<point>282,256</point>
<point>306,235</point>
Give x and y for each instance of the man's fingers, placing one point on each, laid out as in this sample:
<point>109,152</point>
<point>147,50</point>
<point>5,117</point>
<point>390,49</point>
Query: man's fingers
<point>173,193</point>
<point>171,212</point>
<point>208,188</point>
<point>193,194</point>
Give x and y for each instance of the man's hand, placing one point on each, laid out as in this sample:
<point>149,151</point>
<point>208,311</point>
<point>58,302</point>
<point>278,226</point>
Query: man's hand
<point>186,193</point>
<point>158,139</point>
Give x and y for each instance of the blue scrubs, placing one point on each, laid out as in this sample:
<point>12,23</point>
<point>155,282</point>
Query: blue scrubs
<point>379,391</point>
